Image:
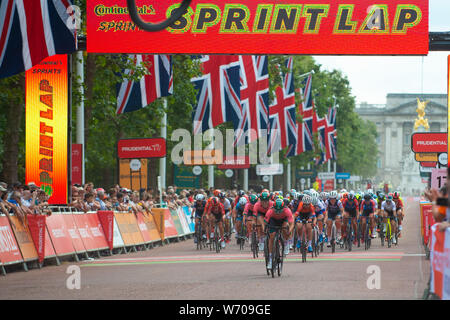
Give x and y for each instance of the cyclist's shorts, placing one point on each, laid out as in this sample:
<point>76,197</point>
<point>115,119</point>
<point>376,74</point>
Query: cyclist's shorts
<point>217,216</point>
<point>261,214</point>
<point>398,209</point>
<point>239,217</point>
<point>333,215</point>
<point>366,213</point>
<point>275,223</point>
<point>199,214</point>
<point>352,213</point>
<point>304,216</point>
<point>390,213</point>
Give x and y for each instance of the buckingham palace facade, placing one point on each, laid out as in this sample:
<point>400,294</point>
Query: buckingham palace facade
<point>395,125</point>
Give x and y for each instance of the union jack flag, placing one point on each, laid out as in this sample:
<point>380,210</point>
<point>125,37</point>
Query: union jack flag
<point>135,95</point>
<point>320,125</point>
<point>218,92</point>
<point>283,127</point>
<point>31,31</point>
<point>331,134</point>
<point>305,130</point>
<point>251,119</point>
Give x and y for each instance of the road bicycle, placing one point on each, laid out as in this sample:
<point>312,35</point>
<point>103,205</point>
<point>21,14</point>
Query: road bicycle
<point>277,251</point>
<point>367,235</point>
<point>303,246</point>
<point>349,237</point>
<point>315,241</point>
<point>201,241</point>
<point>389,234</point>
<point>228,226</point>
<point>242,235</point>
<point>254,239</point>
<point>333,237</point>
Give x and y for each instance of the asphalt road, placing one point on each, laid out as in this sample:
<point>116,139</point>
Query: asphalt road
<point>178,271</point>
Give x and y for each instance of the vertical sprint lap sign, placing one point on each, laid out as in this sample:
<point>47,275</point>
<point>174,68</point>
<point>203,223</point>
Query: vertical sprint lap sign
<point>47,101</point>
<point>303,27</point>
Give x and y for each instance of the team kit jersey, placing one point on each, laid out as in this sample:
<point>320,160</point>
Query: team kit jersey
<point>199,208</point>
<point>388,207</point>
<point>259,210</point>
<point>334,210</point>
<point>305,211</point>
<point>350,206</point>
<point>274,218</point>
<point>368,207</point>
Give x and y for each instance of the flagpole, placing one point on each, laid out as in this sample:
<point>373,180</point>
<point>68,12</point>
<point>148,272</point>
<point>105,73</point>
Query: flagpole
<point>162,161</point>
<point>288,186</point>
<point>80,109</point>
<point>245,180</point>
<point>211,168</point>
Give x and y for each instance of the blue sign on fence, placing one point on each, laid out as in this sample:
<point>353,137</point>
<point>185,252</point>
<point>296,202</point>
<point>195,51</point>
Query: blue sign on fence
<point>344,176</point>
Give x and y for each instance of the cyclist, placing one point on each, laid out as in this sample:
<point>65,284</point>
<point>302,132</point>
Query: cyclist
<point>399,210</point>
<point>198,210</point>
<point>334,211</point>
<point>240,194</point>
<point>319,208</point>
<point>260,209</point>
<point>388,209</point>
<point>238,216</point>
<point>209,201</point>
<point>367,209</point>
<point>379,216</point>
<point>226,218</point>
<point>215,213</point>
<point>278,216</point>
<point>250,216</point>
<point>351,211</point>
<point>305,211</point>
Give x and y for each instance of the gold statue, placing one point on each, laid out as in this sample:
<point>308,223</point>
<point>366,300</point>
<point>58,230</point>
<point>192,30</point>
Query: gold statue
<point>421,105</point>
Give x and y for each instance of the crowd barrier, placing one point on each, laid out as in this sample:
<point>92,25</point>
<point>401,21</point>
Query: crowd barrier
<point>426,221</point>
<point>440,263</point>
<point>68,233</point>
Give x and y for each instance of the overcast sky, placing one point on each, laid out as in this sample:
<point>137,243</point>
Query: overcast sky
<point>372,78</point>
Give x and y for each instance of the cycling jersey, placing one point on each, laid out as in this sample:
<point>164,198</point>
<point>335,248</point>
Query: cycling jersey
<point>350,205</point>
<point>388,207</point>
<point>236,199</point>
<point>226,205</point>
<point>398,204</point>
<point>334,209</point>
<point>368,208</point>
<point>305,211</point>
<point>320,208</point>
<point>275,219</point>
<point>199,208</point>
<point>248,210</point>
<point>259,210</point>
<point>218,211</point>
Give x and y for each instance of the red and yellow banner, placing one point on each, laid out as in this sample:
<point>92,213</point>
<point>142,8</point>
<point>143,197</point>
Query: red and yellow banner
<point>312,27</point>
<point>47,101</point>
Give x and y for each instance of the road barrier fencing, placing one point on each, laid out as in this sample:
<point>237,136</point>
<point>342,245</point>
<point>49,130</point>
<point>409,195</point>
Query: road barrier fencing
<point>70,233</point>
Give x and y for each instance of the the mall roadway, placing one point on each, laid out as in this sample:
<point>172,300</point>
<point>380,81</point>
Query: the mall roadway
<point>178,271</point>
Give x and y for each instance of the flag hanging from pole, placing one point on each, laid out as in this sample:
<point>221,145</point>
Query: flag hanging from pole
<point>135,95</point>
<point>31,31</point>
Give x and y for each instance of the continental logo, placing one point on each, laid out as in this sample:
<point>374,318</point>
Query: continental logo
<point>280,19</point>
<point>102,10</point>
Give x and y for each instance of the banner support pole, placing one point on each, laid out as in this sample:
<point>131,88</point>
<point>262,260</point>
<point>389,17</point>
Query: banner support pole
<point>80,109</point>
<point>246,180</point>
<point>162,161</point>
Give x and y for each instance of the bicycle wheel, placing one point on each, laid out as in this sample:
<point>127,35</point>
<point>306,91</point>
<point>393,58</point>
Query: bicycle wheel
<point>274,257</point>
<point>388,233</point>
<point>350,236</point>
<point>280,255</point>
<point>295,238</point>
<point>198,235</point>
<point>382,235</point>
<point>333,238</point>
<point>313,243</point>
<point>216,239</point>
<point>358,233</point>
<point>254,244</point>
<point>303,246</point>
<point>266,253</point>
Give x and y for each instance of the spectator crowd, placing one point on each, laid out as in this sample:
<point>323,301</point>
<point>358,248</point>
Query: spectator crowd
<point>21,200</point>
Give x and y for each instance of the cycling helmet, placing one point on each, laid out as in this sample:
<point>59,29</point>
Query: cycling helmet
<point>265,190</point>
<point>323,196</point>
<point>382,196</point>
<point>367,196</point>
<point>222,195</point>
<point>286,202</point>
<point>315,201</point>
<point>307,192</point>
<point>307,199</point>
<point>216,192</point>
<point>243,201</point>
<point>299,196</point>
<point>241,193</point>
<point>351,195</point>
<point>264,196</point>
<point>358,196</point>
<point>215,201</point>
<point>333,195</point>
<point>389,198</point>
<point>279,205</point>
<point>293,192</point>
<point>396,195</point>
<point>253,198</point>
<point>199,197</point>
